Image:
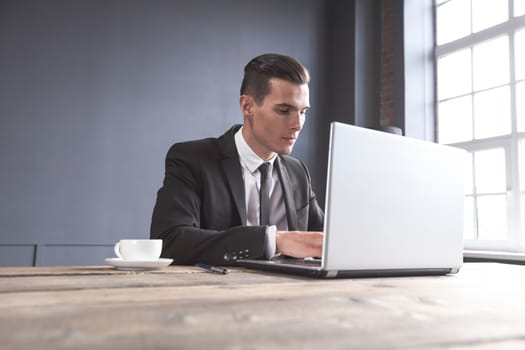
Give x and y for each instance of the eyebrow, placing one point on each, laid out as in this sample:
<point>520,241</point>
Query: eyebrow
<point>284,104</point>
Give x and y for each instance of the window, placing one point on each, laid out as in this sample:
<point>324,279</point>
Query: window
<point>480,56</point>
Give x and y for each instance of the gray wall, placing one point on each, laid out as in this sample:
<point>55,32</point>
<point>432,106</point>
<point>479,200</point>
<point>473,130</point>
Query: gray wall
<point>93,93</point>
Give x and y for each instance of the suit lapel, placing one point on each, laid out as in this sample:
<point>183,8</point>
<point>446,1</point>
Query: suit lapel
<point>233,171</point>
<point>289,202</point>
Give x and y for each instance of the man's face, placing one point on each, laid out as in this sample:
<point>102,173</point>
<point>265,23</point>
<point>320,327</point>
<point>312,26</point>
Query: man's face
<point>273,126</point>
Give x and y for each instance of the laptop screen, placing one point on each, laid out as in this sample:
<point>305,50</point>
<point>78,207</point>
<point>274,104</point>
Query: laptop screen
<point>392,202</point>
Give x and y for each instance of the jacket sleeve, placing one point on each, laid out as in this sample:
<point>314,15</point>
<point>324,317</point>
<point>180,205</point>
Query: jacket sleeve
<point>176,219</point>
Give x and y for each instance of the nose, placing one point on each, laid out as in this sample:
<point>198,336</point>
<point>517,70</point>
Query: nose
<point>297,121</point>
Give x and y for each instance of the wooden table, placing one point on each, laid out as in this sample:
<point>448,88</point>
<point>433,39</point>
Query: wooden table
<point>483,307</point>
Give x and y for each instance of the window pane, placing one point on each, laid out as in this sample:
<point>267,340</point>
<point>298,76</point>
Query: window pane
<point>469,175</point>
<point>488,13</point>
<point>491,63</point>
<point>454,74</point>
<point>455,120</point>
<point>469,223</point>
<point>519,49</point>
<point>520,105</point>
<point>519,8</point>
<point>521,160</point>
<point>453,21</point>
<point>490,171</point>
<point>522,214</point>
<point>492,113</point>
<point>492,217</point>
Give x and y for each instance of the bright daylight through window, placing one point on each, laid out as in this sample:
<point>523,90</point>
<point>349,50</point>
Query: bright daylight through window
<point>480,55</point>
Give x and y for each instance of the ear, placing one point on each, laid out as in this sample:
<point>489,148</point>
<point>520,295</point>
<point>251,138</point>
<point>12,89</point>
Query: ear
<point>246,104</point>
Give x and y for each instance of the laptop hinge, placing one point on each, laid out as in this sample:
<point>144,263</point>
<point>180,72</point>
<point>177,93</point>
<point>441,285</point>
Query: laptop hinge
<point>331,273</point>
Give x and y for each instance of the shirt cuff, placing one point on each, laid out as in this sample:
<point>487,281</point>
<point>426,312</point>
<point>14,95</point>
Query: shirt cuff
<point>269,251</point>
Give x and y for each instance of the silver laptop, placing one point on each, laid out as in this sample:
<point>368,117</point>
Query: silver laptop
<point>394,207</point>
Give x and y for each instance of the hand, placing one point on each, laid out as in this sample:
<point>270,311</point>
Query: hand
<point>299,244</point>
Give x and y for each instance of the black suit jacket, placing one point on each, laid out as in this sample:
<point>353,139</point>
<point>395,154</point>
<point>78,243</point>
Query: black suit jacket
<point>200,213</point>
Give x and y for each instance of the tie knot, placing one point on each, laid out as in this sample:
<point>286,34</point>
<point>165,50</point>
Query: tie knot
<point>263,168</point>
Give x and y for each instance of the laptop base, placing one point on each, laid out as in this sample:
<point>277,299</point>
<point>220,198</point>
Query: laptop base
<point>318,272</point>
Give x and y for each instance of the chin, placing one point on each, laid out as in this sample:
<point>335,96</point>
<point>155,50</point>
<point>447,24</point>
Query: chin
<point>286,151</point>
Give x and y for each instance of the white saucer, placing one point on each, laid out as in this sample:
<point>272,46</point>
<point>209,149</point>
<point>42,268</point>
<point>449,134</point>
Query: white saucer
<point>138,264</point>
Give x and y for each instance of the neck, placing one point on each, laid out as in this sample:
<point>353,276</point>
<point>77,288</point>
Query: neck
<point>248,138</point>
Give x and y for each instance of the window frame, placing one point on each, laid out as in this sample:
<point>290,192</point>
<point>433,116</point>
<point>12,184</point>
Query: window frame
<point>510,143</point>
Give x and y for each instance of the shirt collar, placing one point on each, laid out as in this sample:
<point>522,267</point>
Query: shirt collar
<point>247,156</point>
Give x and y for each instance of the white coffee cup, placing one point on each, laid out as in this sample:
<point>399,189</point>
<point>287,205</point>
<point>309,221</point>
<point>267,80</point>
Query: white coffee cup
<point>138,249</point>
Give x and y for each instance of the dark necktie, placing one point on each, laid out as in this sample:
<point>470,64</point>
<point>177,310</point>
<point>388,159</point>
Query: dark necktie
<point>264,195</point>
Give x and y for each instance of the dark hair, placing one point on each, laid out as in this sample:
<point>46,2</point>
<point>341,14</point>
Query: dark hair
<point>259,71</point>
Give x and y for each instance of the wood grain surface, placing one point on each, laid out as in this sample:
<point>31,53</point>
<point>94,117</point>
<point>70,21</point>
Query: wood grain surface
<point>180,307</point>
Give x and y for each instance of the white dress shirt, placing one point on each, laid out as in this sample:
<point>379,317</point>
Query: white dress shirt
<point>250,163</point>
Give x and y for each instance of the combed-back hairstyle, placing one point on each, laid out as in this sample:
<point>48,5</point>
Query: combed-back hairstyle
<point>259,71</point>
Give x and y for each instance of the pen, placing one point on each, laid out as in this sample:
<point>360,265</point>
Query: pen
<point>212,268</point>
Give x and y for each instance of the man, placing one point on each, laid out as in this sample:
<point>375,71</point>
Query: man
<point>218,204</point>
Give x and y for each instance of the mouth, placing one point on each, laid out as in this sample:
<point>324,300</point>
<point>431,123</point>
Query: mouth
<point>290,140</point>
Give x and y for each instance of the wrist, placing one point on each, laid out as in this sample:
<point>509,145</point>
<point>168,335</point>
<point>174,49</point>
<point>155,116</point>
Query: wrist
<point>278,240</point>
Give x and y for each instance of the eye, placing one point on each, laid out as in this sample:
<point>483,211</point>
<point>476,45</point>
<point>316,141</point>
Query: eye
<point>284,110</point>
